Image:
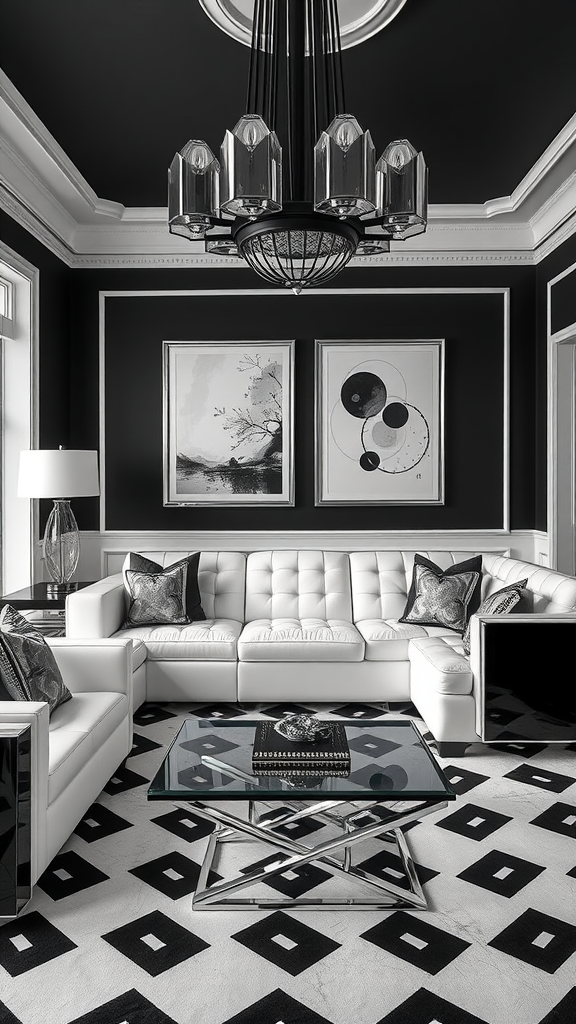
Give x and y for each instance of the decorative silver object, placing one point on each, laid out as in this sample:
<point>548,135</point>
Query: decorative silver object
<point>299,728</point>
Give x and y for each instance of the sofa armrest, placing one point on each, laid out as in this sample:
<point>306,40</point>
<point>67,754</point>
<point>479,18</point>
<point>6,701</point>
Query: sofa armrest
<point>35,714</point>
<point>98,610</point>
<point>92,665</point>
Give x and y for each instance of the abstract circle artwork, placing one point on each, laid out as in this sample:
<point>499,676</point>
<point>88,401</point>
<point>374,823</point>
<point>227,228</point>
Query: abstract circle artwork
<point>391,434</point>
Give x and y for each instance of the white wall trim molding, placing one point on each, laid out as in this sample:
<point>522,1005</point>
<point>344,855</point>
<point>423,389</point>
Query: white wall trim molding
<point>96,547</point>
<point>566,336</point>
<point>19,408</point>
<point>309,297</point>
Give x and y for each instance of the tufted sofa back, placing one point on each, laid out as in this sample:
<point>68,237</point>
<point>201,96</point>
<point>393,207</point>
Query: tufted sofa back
<point>221,578</point>
<point>551,590</point>
<point>381,579</point>
<point>298,584</point>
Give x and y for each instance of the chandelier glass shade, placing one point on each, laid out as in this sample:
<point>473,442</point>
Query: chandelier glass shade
<point>297,191</point>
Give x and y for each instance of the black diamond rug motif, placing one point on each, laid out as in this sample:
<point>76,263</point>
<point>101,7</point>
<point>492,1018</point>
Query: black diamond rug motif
<point>276,1008</point>
<point>281,710</point>
<point>564,1012</point>
<point>415,940</point>
<point>519,748</point>
<point>173,874</point>
<point>142,744</point>
<point>155,943</point>
<point>572,872</point>
<point>29,941</point>
<point>200,777</point>
<point>150,714</point>
<point>69,873</point>
<point>185,824</point>
<point>217,711</point>
<point>293,829</point>
<point>286,942</point>
<point>7,1017</point>
<point>538,939</point>
<point>461,780</point>
<point>378,777</point>
<point>423,1007</point>
<point>501,873</point>
<point>209,744</point>
<point>533,776</point>
<point>372,746</point>
<point>474,822</point>
<point>124,779</point>
<point>296,881</point>
<point>560,818</point>
<point>129,1008</point>
<point>99,822</point>
<point>388,867</point>
<point>357,711</point>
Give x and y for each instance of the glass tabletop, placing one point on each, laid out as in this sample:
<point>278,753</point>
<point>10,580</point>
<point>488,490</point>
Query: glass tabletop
<point>212,759</point>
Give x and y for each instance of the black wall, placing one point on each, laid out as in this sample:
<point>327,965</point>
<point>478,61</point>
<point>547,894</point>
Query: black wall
<point>472,325</point>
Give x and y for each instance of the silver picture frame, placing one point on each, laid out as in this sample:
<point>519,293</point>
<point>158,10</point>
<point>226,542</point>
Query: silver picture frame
<point>379,422</point>
<point>228,415</point>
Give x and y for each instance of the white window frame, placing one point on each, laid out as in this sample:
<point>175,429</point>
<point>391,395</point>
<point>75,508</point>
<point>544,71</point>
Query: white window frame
<point>19,554</point>
<point>7,304</point>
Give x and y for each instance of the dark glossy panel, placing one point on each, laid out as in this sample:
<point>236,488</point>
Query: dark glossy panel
<point>528,670</point>
<point>15,799</point>
<point>397,765</point>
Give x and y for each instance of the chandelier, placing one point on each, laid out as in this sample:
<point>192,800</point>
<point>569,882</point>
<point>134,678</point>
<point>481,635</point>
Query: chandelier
<point>297,191</point>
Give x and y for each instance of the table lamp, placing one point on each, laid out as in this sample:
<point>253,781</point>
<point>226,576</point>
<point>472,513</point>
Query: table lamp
<point>60,474</point>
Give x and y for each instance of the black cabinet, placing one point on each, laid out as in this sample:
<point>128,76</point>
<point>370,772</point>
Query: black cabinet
<point>15,811</point>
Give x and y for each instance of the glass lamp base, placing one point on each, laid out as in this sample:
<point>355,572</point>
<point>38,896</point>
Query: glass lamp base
<point>59,589</point>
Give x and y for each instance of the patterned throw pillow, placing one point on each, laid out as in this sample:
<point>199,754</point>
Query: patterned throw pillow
<point>498,603</point>
<point>157,597</point>
<point>192,605</point>
<point>28,669</point>
<point>443,597</point>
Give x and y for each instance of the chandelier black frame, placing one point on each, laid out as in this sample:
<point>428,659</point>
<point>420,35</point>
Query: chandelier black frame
<point>297,192</point>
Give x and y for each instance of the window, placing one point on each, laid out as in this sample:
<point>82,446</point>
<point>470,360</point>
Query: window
<point>6,308</point>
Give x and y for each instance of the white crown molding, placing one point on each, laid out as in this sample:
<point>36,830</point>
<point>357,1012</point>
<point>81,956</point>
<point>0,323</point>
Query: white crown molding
<point>42,189</point>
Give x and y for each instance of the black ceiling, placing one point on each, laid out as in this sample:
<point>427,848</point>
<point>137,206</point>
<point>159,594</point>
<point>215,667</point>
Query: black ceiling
<point>482,86</point>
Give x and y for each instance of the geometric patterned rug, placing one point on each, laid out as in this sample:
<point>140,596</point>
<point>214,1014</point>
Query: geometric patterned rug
<point>110,938</point>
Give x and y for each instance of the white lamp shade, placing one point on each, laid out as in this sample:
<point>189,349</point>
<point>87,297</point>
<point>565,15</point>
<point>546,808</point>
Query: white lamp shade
<point>58,473</point>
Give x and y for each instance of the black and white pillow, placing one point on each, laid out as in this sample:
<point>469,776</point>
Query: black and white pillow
<point>28,669</point>
<point>499,603</point>
<point>443,597</point>
<point>156,598</point>
<point>192,601</point>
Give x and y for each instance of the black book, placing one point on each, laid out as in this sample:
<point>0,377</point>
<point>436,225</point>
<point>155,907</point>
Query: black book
<point>271,748</point>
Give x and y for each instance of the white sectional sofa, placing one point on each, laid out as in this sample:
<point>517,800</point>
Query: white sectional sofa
<point>314,626</point>
<point>75,752</point>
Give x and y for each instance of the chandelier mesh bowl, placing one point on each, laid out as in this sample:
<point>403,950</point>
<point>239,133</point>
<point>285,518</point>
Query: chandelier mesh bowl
<point>297,192</point>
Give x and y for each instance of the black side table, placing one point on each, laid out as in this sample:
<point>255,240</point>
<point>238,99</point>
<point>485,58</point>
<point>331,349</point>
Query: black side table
<point>15,811</point>
<point>36,598</point>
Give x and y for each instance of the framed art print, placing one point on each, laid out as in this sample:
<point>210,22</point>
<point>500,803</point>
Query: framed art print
<point>379,414</point>
<point>228,430</point>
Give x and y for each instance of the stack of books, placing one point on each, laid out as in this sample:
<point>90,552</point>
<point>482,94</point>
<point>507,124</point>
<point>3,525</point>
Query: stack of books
<point>275,755</point>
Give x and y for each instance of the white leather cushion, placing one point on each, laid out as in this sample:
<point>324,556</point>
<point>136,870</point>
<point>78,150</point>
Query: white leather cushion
<point>78,729</point>
<point>290,639</point>
<point>447,665</point>
<point>388,639</point>
<point>553,591</point>
<point>212,640</point>
<point>298,584</point>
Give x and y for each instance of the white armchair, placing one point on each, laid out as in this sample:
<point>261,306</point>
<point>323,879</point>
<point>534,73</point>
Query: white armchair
<point>76,751</point>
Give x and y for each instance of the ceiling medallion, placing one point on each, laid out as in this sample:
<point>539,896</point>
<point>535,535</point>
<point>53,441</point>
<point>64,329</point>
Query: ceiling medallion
<point>359,19</point>
<point>297,191</point>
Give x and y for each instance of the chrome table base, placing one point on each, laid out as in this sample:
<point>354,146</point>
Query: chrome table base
<point>377,894</point>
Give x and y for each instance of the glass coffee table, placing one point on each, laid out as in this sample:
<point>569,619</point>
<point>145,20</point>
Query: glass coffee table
<point>393,780</point>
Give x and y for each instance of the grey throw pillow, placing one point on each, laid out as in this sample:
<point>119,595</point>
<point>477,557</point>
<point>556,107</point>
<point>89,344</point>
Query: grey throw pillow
<point>192,599</point>
<point>156,598</point>
<point>443,597</point>
<point>28,669</point>
<point>499,603</point>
